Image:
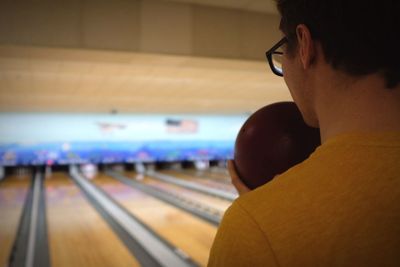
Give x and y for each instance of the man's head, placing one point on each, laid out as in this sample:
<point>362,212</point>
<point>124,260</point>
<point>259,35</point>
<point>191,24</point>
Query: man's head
<point>355,38</point>
<point>358,37</point>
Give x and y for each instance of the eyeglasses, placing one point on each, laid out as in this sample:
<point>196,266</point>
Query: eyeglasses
<point>274,57</point>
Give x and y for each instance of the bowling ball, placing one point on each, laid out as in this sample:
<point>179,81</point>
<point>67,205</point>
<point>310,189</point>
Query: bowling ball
<point>272,140</point>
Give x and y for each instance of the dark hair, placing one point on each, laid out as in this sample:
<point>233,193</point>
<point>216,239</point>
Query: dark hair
<point>359,37</point>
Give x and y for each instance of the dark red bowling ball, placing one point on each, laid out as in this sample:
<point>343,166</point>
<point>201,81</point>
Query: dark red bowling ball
<point>272,140</point>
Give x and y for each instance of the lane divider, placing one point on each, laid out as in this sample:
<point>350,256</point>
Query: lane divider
<point>149,248</point>
<point>200,210</point>
<point>210,175</point>
<point>200,178</point>
<point>30,257</point>
<point>190,185</point>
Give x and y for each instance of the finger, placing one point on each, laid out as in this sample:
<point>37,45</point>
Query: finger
<point>236,181</point>
<point>232,170</point>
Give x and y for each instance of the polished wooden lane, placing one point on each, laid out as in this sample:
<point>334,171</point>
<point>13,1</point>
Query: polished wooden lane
<point>219,173</point>
<point>78,236</point>
<point>203,181</point>
<point>211,201</point>
<point>219,176</point>
<point>186,232</point>
<point>13,191</point>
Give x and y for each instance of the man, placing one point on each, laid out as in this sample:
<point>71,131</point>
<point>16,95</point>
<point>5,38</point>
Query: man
<point>341,206</point>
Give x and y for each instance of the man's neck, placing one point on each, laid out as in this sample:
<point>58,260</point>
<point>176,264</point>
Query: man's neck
<point>362,106</point>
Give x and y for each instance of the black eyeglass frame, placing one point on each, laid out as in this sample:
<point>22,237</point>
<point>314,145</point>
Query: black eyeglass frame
<point>272,51</point>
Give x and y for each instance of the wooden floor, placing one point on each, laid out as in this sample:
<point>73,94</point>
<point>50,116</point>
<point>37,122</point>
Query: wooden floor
<point>206,182</point>
<point>13,191</point>
<point>192,235</point>
<point>78,236</point>
<point>214,202</point>
<point>222,177</point>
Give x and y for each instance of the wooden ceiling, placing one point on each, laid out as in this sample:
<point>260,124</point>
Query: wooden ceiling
<point>34,79</point>
<point>264,6</point>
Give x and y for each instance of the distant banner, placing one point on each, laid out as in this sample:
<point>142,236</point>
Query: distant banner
<point>60,139</point>
<point>59,153</point>
<point>109,128</point>
<point>181,126</point>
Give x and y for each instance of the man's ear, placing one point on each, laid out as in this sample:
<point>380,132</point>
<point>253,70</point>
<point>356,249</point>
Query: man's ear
<point>306,45</point>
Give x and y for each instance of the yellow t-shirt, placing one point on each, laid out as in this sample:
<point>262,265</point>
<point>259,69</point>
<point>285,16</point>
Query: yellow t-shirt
<point>340,207</point>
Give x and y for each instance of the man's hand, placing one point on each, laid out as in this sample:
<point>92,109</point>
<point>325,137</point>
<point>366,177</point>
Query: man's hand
<point>237,183</point>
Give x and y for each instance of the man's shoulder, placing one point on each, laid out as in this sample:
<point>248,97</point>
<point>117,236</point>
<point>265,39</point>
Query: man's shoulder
<point>330,170</point>
<point>279,190</point>
<point>322,203</point>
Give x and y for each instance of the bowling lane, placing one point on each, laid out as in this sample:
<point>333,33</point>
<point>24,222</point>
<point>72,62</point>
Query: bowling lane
<point>13,191</point>
<point>214,202</point>
<point>204,181</point>
<point>78,235</point>
<point>190,234</point>
<point>222,177</point>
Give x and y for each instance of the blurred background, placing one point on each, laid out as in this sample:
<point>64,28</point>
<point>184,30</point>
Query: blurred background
<point>116,121</point>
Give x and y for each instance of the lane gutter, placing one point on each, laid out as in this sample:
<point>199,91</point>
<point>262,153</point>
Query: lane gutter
<point>31,248</point>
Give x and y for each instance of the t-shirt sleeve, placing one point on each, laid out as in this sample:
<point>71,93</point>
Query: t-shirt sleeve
<point>240,242</point>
